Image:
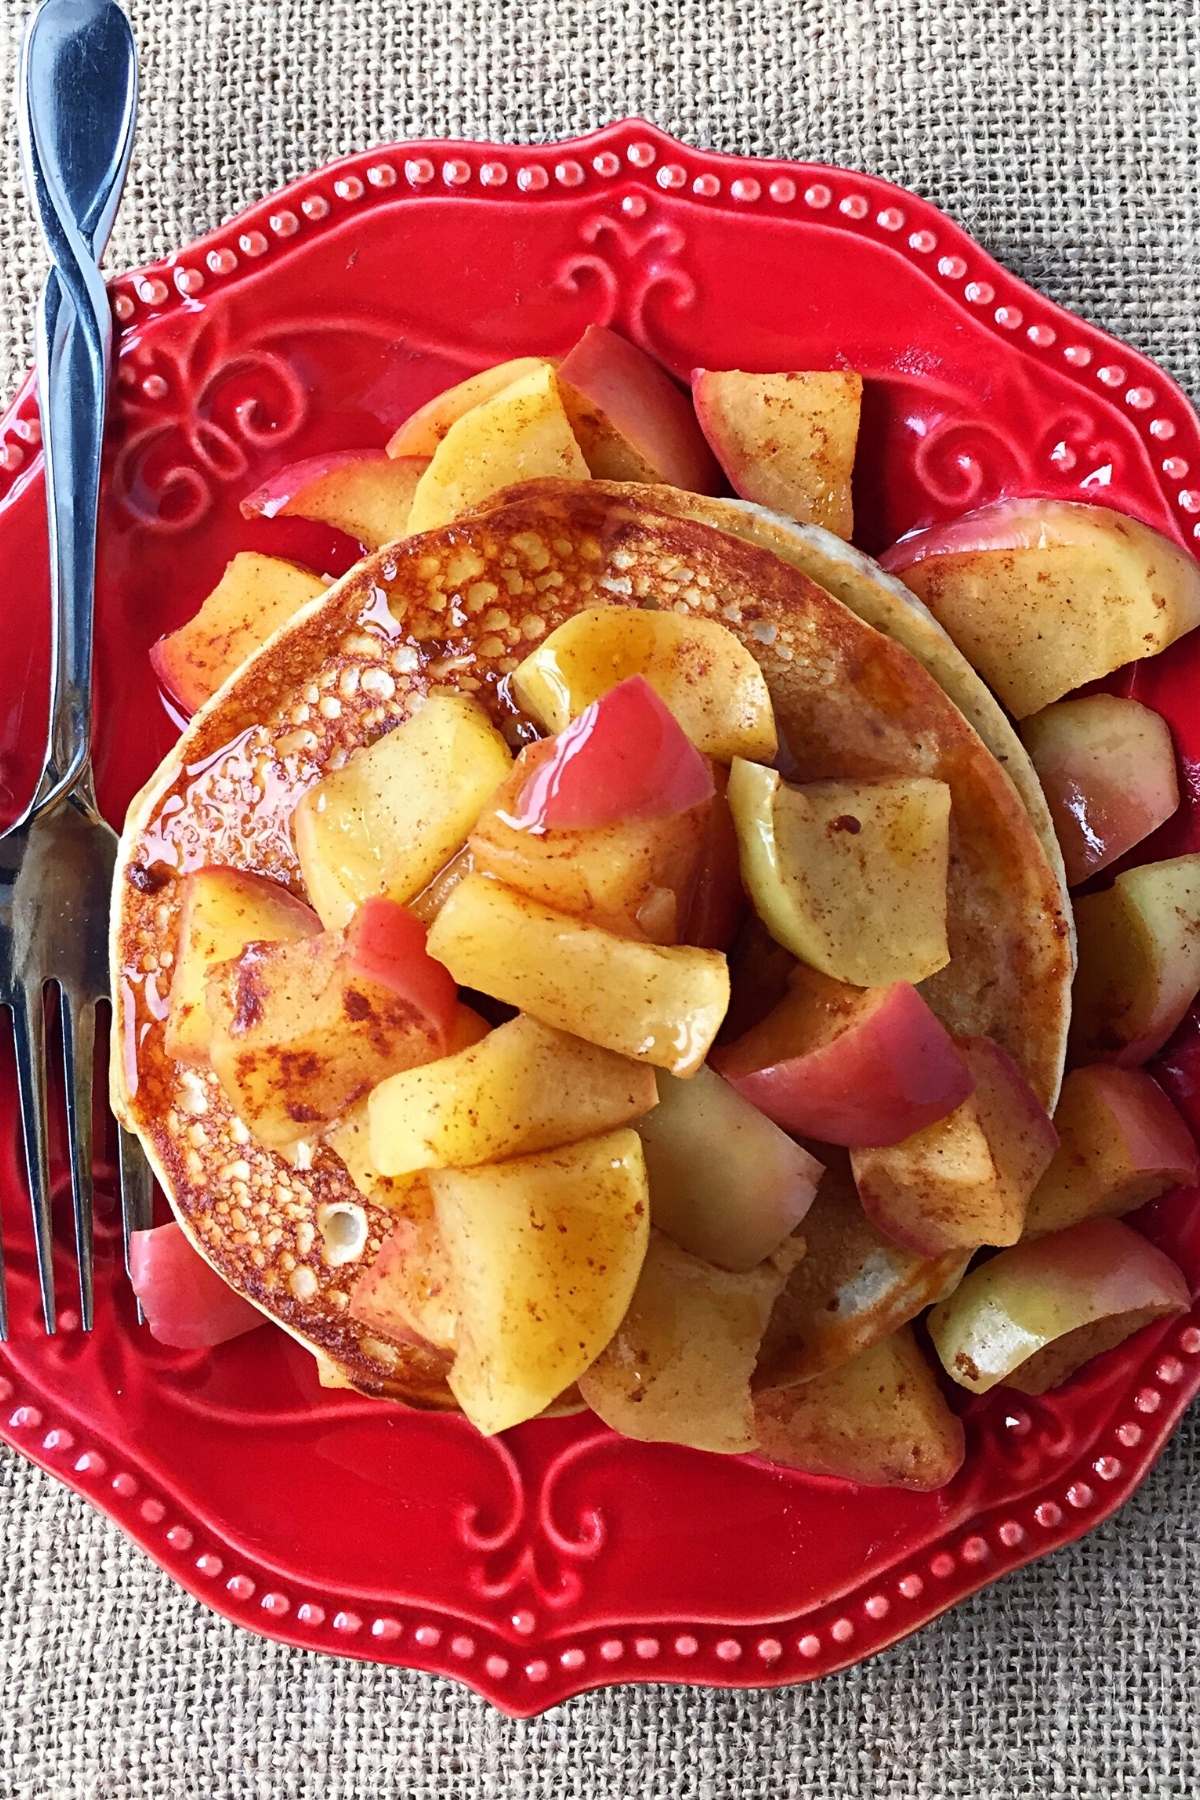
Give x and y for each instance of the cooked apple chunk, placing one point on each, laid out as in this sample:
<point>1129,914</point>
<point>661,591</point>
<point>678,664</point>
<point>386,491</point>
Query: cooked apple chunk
<point>350,1138</point>
<point>854,1287</point>
<point>725,1183</point>
<point>634,877</point>
<point>408,1293</point>
<point>1034,1314</point>
<point>1107,767</point>
<point>361,492</point>
<point>631,421</point>
<point>254,596</point>
<point>846,1065</point>
<point>608,820</point>
<point>391,818</point>
<point>966,1180</point>
<point>718,902</point>
<point>850,876</point>
<point>786,440</point>
<point>705,675</point>
<point>222,911</point>
<point>300,1032</point>
<point>523,1087</point>
<point>624,757</point>
<point>424,429</point>
<point>880,1420</point>
<point>660,1005</point>
<point>545,1252</point>
<point>350,1141</point>
<point>1121,1144</point>
<point>678,1369</point>
<point>1139,962</point>
<point>1042,596</point>
<point>520,434</point>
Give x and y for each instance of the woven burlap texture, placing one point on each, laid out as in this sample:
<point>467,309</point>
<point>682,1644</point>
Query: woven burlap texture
<point>1064,134</point>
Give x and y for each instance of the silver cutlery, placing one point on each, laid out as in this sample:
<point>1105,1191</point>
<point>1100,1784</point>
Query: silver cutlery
<point>77,102</point>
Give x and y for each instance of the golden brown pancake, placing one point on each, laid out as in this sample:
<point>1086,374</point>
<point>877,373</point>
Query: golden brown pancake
<point>460,607</point>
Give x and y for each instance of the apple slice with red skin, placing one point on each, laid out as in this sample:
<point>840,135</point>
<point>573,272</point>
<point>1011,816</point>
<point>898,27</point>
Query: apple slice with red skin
<point>1034,1314</point>
<point>364,493</point>
<point>300,1032</point>
<point>186,1304</point>
<point>1043,596</point>
<point>786,440</point>
<point>1121,1144</point>
<point>222,911</point>
<point>624,757</point>
<point>1107,767</point>
<point>965,1180</point>
<point>254,596</point>
<point>424,429</point>
<point>634,875</point>
<point>880,1420</point>
<point>703,673</point>
<point>632,422</point>
<point>852,1066</point>
<point>386,944</point>
<point>1139,962</point>
<point>407,1293</point>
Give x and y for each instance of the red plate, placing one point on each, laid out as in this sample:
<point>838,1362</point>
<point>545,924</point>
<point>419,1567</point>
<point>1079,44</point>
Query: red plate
<point>561,1557</point>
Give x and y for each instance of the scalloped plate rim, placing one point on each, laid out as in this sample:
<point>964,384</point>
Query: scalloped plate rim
<point>667,1664</point>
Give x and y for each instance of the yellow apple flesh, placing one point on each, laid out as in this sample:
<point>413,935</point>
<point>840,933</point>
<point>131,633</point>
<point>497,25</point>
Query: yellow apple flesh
<point>707,678</point>
<point>966,1180</point>
<point>222,911</point>
<point>520,434</point>
<point>545,1253</point>
<point>786,440</point>
<point>880,1420</point>
<point>1034,1314</point>
<point>1042,596</point>
<point>254,596</point>
<point>634,877</point>
<point>850,876</point>
<point>725,1183</point>
<point>658,1004</point>
<point>350,1141</point>
<point>300,1032</point>
<point>678,1369</point>
<point>424,429</point>
<point>523,1087</point>
<point>389,820</point>
<point>1139,962</point>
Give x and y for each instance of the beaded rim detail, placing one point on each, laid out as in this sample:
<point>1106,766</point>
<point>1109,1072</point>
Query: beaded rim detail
<point>633,163</point>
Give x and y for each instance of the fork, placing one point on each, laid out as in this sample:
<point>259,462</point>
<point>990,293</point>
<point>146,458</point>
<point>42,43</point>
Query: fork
<point>77,101</point>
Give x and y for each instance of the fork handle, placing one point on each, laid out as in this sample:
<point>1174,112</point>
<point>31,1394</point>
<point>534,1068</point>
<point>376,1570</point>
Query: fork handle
<point>72,380</point>
<point>79,93</point>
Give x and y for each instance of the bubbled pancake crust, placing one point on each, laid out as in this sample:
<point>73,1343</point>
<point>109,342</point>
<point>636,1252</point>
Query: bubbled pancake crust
<point>460,608</point>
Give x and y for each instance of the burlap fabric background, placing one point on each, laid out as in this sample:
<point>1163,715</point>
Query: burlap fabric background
<point>1064,133</point>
